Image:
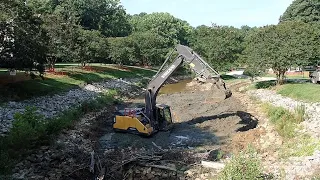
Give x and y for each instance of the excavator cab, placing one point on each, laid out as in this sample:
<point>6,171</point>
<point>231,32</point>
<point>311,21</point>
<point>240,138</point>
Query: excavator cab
<point>133,120</point>
<point>164,117</point>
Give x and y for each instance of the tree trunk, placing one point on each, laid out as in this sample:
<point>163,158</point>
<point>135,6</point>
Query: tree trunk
<point>83,63</point>
<point>280,76</point>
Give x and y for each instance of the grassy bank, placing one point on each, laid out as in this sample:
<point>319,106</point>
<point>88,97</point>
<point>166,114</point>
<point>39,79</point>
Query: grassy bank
<point>307,92</point>
<point>286,123</point>
<point>244,165</point>
<point>31,130</point>
<point>12,88</point>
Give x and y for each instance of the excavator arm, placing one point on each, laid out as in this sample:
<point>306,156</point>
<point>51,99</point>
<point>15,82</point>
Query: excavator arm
<point>187,56</point>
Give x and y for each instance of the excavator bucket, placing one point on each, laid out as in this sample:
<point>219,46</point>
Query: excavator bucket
<point>213,90</point>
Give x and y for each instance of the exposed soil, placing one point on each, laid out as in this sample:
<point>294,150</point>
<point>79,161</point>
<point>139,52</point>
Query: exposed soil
<point>202,129</point>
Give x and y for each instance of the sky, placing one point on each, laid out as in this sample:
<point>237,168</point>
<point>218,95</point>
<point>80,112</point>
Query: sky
<point>222,12</point>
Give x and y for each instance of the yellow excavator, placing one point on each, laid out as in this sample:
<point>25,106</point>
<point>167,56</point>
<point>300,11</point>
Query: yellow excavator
<point>157,117</point>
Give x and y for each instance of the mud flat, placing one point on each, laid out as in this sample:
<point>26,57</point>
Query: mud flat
<point>202,130</point>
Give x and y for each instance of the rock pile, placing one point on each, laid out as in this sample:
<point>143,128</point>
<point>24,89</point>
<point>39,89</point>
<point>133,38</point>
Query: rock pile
<point>296,167</point>
<point>50,106</point>
<point>312,110</point>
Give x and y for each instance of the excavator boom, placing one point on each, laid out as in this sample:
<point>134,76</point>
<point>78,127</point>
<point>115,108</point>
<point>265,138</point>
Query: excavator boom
<point>158,117</point>
<point>204,73</point>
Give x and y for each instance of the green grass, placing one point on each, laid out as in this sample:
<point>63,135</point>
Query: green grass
<point>285,121</point>
<point>305,76</point>
<point>55,84</point>
<point>306,92</point>
<point>245,165</point>
<point>300,146</point>
<point>31,130</point>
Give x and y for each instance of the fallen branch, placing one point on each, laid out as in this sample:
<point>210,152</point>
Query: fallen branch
<point>157,146</point>
<point>213,165</point>
<point>151,158</point>
<point>92,162</point>
<point>125,176</point>
<point>159,167</point>
<point>114,168</point>
<point>101,174</point>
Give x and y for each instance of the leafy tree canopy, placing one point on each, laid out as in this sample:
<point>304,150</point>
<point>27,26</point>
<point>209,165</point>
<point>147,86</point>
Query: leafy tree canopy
<point>302,10</point>
<point>220,45</point>
<point>174,30</point>
<point>281,46</point>
<point>22,38</point>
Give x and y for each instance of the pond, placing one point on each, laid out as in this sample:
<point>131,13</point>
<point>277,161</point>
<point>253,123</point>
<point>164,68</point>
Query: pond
<point>174,88</point>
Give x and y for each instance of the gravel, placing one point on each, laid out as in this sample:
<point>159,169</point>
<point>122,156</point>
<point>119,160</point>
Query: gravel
<point>51,106</point>
<point>297,167</point>
<point>294,167</point>
<point>312,121</point>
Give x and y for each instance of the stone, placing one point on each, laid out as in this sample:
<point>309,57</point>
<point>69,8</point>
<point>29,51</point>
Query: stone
<point>50,106</point>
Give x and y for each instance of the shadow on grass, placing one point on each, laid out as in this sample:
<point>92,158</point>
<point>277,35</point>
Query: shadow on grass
<point>32,88</point>
<point>227,77</point>
<point>265,84</point>
<point>65,65</point>
<point>128,72</point>
<point>272,83</point>
<point>86,77</point>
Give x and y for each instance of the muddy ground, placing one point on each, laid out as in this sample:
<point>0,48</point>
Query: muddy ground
<point>197,123</point>
<point>202,129</point>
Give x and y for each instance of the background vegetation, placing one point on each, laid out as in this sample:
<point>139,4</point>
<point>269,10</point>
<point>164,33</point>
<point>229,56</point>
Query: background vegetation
<point>42,32</point>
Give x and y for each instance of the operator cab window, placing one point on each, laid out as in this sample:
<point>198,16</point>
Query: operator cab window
<point>167,114</point>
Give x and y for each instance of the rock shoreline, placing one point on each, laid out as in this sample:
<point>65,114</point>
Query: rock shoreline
<point>51,106</point>
<point>312,121</point>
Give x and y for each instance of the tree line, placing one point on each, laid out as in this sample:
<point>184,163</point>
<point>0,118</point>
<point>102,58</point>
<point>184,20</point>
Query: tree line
<point>38,32</point>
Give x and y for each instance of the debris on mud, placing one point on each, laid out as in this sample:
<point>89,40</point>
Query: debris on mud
<point>202,130</point>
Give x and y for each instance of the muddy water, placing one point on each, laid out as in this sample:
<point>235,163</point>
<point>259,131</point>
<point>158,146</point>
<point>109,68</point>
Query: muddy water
<point>174,88</point>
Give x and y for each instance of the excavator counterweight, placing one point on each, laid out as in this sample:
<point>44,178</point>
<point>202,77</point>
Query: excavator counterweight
<point>157,117</point>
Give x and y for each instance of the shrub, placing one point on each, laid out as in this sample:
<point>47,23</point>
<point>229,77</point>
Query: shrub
<point>300,113</point>
<point>27,128</point>
<point>244,165</point>
<point>284,121</point>
<point>265,84</point>
<point>30,129</point>
<point>63,121</point>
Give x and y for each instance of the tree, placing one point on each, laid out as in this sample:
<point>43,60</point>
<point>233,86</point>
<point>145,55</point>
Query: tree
<point>151,48</point>
<point>220,45</point>
<point>93,47</point>
<point>172,29</point>
<point>122,50</point>
<point>302,10</point>
<point>107,16</point>
<point>281,46</point>
<point>24,43</point>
